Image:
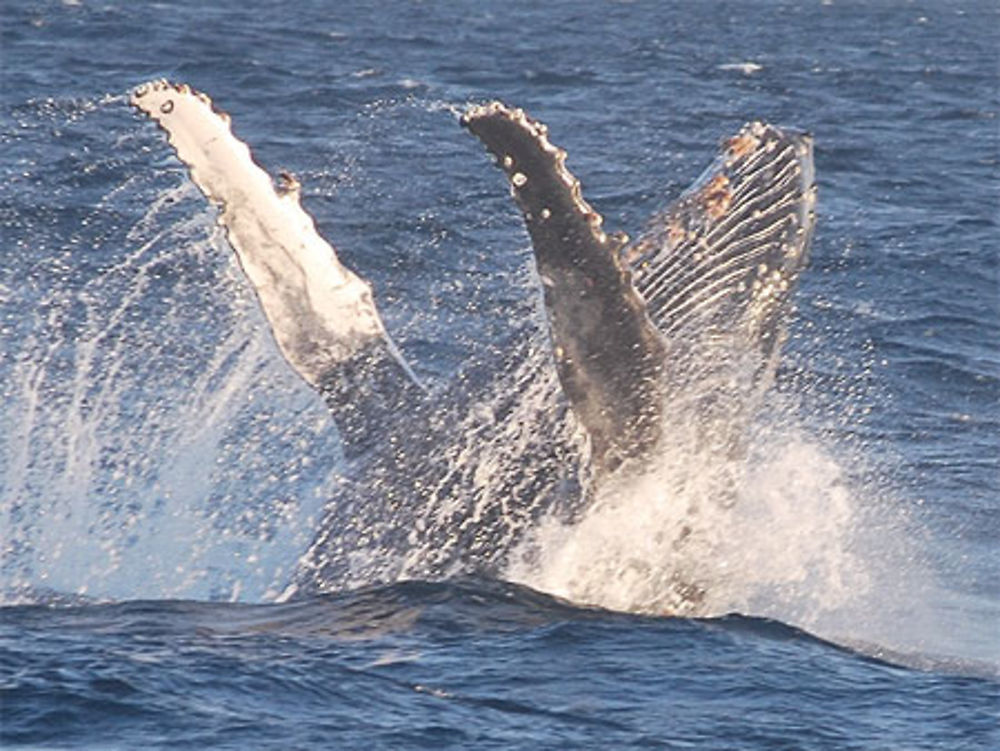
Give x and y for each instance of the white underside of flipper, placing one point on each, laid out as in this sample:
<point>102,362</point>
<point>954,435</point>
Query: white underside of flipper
<point>320,312</point>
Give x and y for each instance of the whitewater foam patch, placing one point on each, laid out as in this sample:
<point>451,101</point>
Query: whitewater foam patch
<point>704,536</point>
<point>804,530</point>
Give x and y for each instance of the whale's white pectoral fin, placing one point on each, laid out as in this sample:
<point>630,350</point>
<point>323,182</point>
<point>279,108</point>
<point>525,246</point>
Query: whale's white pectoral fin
<point>320,312</point>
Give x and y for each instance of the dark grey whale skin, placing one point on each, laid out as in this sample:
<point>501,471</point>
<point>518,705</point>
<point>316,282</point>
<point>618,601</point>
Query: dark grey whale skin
<point>607,352</point>
<point>700,302</point>
<point>698,305</point>
<point>681,328</point>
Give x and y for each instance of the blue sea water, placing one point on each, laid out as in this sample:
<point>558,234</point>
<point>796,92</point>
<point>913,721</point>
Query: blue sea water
<point>163,469</point>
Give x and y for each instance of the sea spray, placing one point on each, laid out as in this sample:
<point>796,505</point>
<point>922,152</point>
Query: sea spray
<point>153,446</point>
<point>666,542</point>
<point>802,529</point>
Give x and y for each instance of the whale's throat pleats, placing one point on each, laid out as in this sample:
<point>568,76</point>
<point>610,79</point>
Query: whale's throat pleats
<point>722,261</point>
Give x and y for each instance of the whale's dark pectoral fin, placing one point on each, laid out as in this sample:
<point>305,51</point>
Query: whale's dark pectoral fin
<point>322,315</point>
<point>694,312</point>
<point>722,261</point>
<point>608,354</point>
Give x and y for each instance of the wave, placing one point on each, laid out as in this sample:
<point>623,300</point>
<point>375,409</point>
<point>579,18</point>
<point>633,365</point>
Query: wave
<point>430,611</point>
<point>451,608</point>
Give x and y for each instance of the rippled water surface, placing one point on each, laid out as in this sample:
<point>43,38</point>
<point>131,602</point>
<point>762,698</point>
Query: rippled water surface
<point>163,469</point>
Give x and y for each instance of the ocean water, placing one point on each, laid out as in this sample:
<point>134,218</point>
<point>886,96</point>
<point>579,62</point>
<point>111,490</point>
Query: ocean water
<point>163,469</point>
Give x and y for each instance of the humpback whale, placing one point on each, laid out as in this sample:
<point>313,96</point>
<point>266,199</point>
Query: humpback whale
<point>686,320</point>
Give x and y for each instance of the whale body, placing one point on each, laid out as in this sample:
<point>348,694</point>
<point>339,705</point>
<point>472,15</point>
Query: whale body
<point>689,318</point>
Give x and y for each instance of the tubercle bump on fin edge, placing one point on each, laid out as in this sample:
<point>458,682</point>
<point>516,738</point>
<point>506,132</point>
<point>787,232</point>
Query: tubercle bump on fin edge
<point>539,132</point>
<point>162,85</point>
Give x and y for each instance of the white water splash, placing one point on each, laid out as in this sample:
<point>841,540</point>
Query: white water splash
<point>787,533</point>
<point>140,447</point>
